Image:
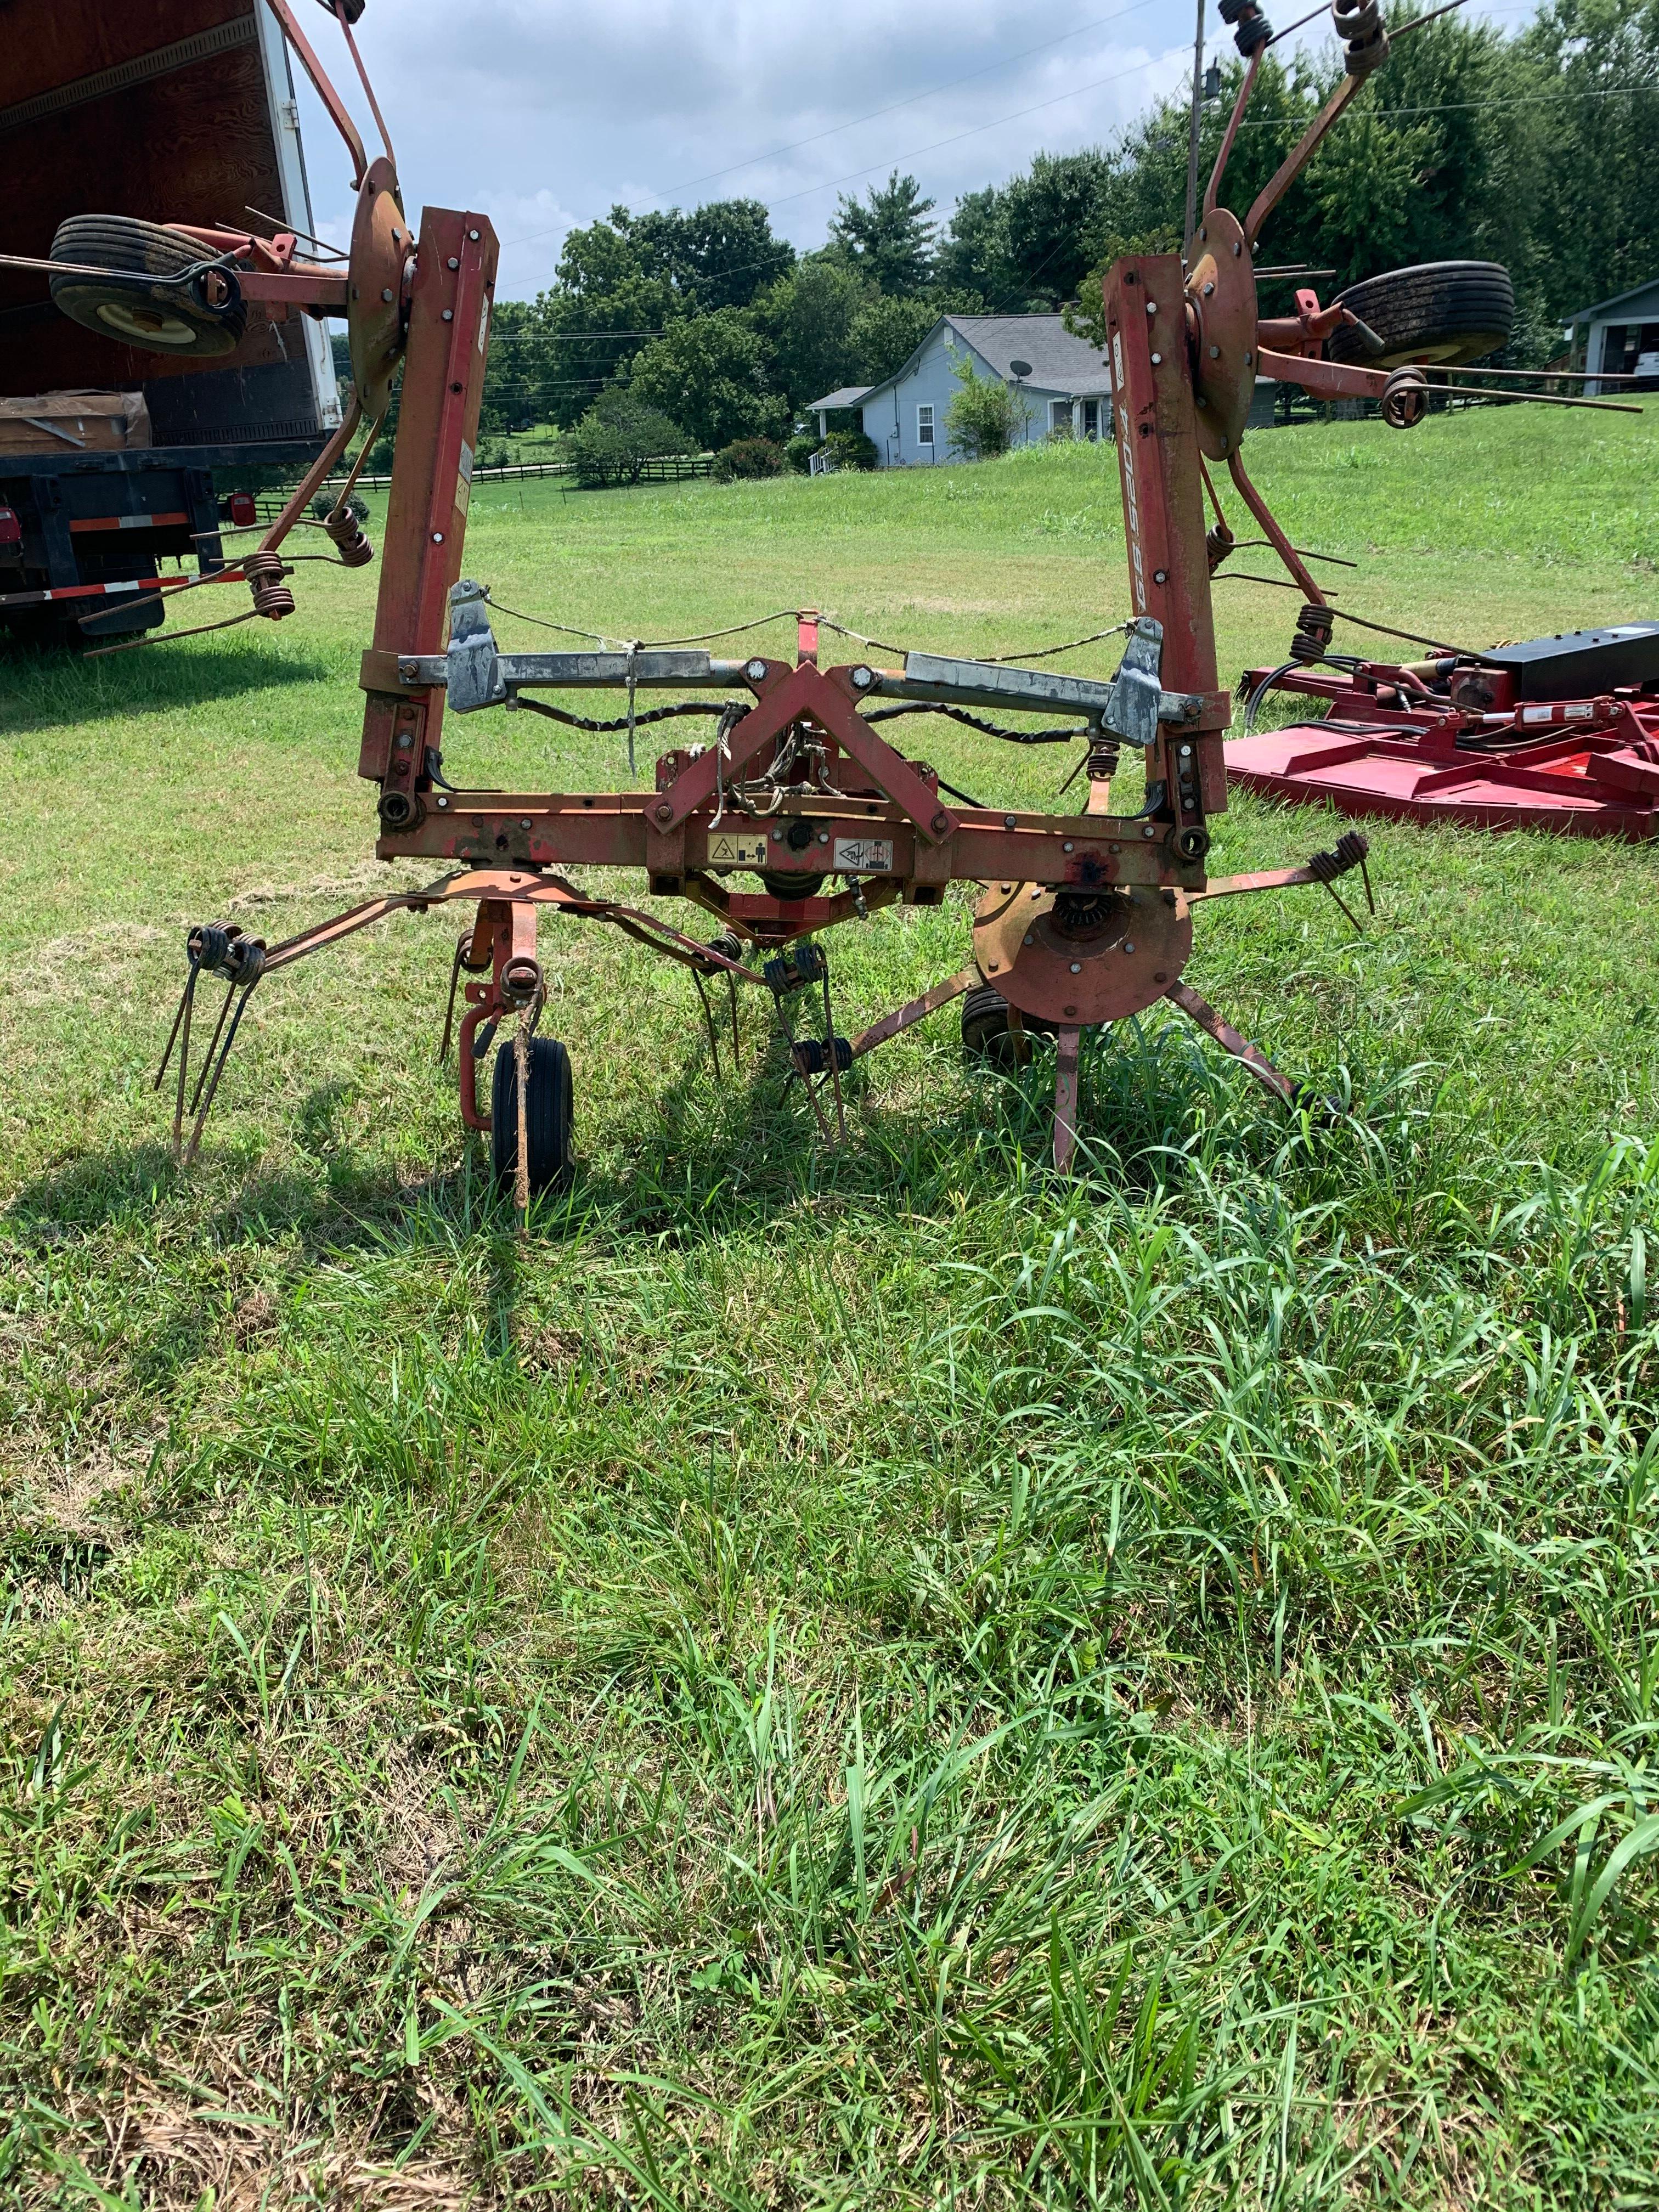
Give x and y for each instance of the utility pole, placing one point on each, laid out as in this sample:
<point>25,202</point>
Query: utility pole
<point>1192,142</point>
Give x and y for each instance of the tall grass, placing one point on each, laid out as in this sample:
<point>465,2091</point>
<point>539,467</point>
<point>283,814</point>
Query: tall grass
<point>875,1679</point>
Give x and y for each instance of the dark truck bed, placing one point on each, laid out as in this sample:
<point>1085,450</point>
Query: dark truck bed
<point>173,111</point>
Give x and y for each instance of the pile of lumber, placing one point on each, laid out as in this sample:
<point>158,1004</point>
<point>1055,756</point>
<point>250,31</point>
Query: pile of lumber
<point>67,422</point>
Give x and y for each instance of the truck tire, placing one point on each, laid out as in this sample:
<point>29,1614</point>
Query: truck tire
<point>1442,312</point>
<point>157,309</point>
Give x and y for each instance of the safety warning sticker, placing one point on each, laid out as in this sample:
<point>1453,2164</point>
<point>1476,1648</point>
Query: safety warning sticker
<point>736,852</point>
<point>862,856</point>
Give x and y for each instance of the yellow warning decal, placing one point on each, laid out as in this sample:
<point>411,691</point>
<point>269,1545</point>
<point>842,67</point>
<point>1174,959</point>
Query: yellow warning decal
<point>736,852</point>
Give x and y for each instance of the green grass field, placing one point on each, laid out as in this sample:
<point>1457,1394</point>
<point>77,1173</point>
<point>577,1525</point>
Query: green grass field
<point>878,1680</point>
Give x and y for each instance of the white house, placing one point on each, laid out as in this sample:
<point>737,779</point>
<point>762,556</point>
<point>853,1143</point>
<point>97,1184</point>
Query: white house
<point>1620,336</point>
<point>1062,378</point>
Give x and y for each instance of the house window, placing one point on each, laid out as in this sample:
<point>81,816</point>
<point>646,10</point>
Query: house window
<point>1059,418</point>
<point>1092,418</point>
<point>924,426</point>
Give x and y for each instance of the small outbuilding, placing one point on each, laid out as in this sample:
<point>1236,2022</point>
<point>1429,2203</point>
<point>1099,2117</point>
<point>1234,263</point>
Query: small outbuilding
<point>1617,337</point>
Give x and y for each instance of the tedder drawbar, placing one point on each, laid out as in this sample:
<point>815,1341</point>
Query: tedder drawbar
<point>799,813</point>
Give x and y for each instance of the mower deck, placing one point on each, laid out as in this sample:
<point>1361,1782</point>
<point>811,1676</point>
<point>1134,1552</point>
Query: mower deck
<point>1592,770</point>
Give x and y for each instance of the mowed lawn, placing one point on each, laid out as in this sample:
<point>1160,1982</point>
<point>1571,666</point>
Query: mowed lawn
<point>875,1678</point>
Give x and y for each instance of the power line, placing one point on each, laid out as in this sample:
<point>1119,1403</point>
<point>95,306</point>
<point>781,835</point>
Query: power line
<point>1074,92</point>
<point>565,337</point>
<point>1459,107</point>
<point>1256,123</point>
<point>875,113</point>
<point>914,99</point>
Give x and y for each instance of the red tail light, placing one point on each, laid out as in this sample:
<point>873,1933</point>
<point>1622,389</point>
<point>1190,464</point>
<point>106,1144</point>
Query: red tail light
<point>240,509</point>
<point>11,530</point>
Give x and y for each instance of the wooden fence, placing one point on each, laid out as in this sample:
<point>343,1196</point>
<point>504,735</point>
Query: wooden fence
<point>665,468</point>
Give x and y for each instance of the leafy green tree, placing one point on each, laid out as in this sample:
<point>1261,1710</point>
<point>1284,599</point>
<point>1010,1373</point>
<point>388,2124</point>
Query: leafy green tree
<point>1047,216</point>
<point>974,255</point>
<point>721,255</point>
<point>617,437</point>
<point>711,372</point>
<point>985,417</point>
<point>1589,153</point>
<point>621,280</point>
<point>1085,316</point>
<point>886,332</point>
<point>886,236</point>
<point>808,319</point>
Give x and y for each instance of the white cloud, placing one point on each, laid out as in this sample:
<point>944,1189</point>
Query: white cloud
<point>543,116</point>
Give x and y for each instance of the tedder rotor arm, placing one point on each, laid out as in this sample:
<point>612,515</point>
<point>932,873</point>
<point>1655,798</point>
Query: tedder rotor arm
<point>1298,157</point>
<point>1213,189</point>
<point>1359,22</point>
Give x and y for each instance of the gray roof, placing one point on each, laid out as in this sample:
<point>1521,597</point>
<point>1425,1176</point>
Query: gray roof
<point>1603,308</point>
<point>849,396</point>
<point>1060,362</point>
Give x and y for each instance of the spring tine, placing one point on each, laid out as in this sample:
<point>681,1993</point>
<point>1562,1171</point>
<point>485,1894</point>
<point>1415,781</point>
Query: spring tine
<point>184,998</point>
<point>1358,928</point>
<point>835,1062</point>
<point>186,1008</point>
<point>218,1070</point>
<point>213,1045</point>
<point>1365,879</point>
<point>731,987</point>
<point>806,1083</point>
<point>461,943</point>
<point>708,1023</point>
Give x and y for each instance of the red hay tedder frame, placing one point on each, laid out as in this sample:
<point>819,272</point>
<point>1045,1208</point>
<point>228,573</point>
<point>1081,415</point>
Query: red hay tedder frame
<point>1086,918</point>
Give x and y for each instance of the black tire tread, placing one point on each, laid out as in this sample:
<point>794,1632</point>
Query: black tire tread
<point>124,241</point>
<point>1444,312</point>
<point>140,249</point>
<point>985,1031</point>
<point>548,1118</point>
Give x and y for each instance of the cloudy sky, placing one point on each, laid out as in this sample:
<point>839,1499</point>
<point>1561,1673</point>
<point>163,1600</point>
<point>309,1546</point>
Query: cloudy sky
<point>542,113</point>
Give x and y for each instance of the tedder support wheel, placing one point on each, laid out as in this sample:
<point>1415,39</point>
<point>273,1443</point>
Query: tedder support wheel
<point>151,302</point>
<point>985,1034</point>
<point>548,1117</point>
<point>1442,312</point>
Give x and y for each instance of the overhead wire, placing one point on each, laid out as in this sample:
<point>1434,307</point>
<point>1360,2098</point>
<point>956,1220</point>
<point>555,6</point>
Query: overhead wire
<point>1117,76</point>
<point>911,99</point>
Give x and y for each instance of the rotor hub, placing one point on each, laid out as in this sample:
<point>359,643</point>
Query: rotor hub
<point>1081,956</point>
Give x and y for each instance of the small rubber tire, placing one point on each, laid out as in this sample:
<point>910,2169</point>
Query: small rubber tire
<point>986,1032</point>
<point>548,1121</point>
<point>158,314</point>
<point>1442,312</point>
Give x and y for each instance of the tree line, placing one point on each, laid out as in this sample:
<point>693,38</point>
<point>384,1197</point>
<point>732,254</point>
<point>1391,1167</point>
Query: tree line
<point>1531,148</point>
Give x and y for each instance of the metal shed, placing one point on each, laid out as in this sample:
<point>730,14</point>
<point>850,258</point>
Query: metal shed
<point>1618,336</point>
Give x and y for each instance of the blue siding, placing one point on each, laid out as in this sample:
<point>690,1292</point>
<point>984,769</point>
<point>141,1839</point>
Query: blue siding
<point>889,413</point>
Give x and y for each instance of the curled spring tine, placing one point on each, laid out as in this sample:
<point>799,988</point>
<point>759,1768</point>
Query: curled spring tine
<point>461,943</point>
<point>1359,927</point>
<point>835,1060</point>
<point>708,1023</point>
<point>181,1022</point>
<point>180,1016</point>
<point>218,1070</point>
<point>213,1045</point>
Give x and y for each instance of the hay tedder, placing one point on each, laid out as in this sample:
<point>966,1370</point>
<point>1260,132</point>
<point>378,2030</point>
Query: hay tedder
<point>799,813</point>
